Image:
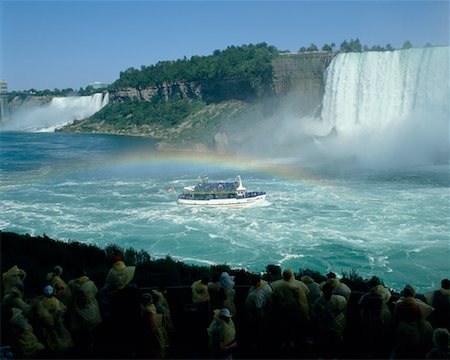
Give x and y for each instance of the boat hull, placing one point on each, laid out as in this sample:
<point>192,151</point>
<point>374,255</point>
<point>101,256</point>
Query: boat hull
<point>221,202</point>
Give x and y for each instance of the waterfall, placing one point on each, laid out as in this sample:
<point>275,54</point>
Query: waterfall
<point>385,105</point>
<point>58,112</point>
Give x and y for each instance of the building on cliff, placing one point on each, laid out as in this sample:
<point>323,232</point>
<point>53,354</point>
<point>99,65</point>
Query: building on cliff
<point>4,108</point>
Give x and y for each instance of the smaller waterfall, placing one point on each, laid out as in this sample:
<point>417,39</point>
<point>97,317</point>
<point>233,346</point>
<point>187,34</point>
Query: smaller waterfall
<point>59,112</point>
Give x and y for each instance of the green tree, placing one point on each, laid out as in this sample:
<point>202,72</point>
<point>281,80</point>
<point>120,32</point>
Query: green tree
<point>328,47</point>
<point>312,47</point>
<point>351,46</point>
<point>407,45</point>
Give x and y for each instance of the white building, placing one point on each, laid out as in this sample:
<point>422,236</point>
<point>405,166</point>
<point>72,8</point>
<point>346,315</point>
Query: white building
<point>4,109</point>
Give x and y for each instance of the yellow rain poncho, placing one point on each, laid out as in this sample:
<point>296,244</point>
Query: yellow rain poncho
<point>62,291</point>
<point>49,312</point>
<point>13,278</point>
<point>24,343</point>
<point>84,311</point>
<point>227,330</point>
<point>119,276</point>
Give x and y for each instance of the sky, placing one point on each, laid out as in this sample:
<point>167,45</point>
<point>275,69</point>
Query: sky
<point>69,44</point>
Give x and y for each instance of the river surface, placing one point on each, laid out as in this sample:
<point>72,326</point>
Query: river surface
<point>102,189</point>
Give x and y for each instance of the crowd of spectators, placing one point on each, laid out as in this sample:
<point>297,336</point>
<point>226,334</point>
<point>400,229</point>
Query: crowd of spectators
<point>286,317</point>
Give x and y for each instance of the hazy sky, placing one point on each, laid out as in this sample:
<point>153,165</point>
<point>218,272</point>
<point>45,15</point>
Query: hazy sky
<point>68,44</point>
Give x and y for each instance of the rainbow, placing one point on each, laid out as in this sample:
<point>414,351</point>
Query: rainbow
<point>208,159</point>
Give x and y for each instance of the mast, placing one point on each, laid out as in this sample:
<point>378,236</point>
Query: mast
<point>240,189</point>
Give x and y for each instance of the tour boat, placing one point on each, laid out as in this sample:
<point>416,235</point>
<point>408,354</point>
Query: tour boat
<point>219,193</point>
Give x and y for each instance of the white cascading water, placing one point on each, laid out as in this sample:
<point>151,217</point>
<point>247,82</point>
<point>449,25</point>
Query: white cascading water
<point>388,105</point>
<point>59,112</point>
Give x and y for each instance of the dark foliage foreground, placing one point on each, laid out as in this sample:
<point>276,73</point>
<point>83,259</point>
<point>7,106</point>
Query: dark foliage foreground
<point>37,255</point>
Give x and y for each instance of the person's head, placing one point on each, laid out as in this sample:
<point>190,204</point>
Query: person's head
<point>225,314</point>
<point>57,270</point>
<point>409,291</point>
<point>255,279</point>
<point>287,274</point>
<point>445,284</point>
<point>331,275</point>
<point>226,280</point>
<point>205,280</point>
<point>146,299</point>
<point>327,291</point>
<point>441,338</point>
<point>48,291</point>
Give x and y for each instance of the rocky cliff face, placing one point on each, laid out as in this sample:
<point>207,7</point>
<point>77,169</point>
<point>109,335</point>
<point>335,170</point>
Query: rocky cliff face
<point>210,91</point>
<point>298,80</point>
<point>166,91</point>
<point>30,100</point>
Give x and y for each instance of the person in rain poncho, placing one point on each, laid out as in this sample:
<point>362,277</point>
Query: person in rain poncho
<point>339,288</point>
<point>119,276</point>
<point>227,284</point>
<point>153,341</point>
<point>200,293</point>
<point>290,309</point>
<point>12,281</point>
<point>440,301</point>
<point>84,312</point>
<point>49,312</point>
<point>315,291</point>
<point>222,334</point>
<point>62,291</point>
<point>256,304</point>
<point>329,316</point>
<point>24,342</point>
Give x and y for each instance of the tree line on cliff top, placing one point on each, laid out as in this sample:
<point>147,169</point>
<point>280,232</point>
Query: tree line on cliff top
<point>354,45</point>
